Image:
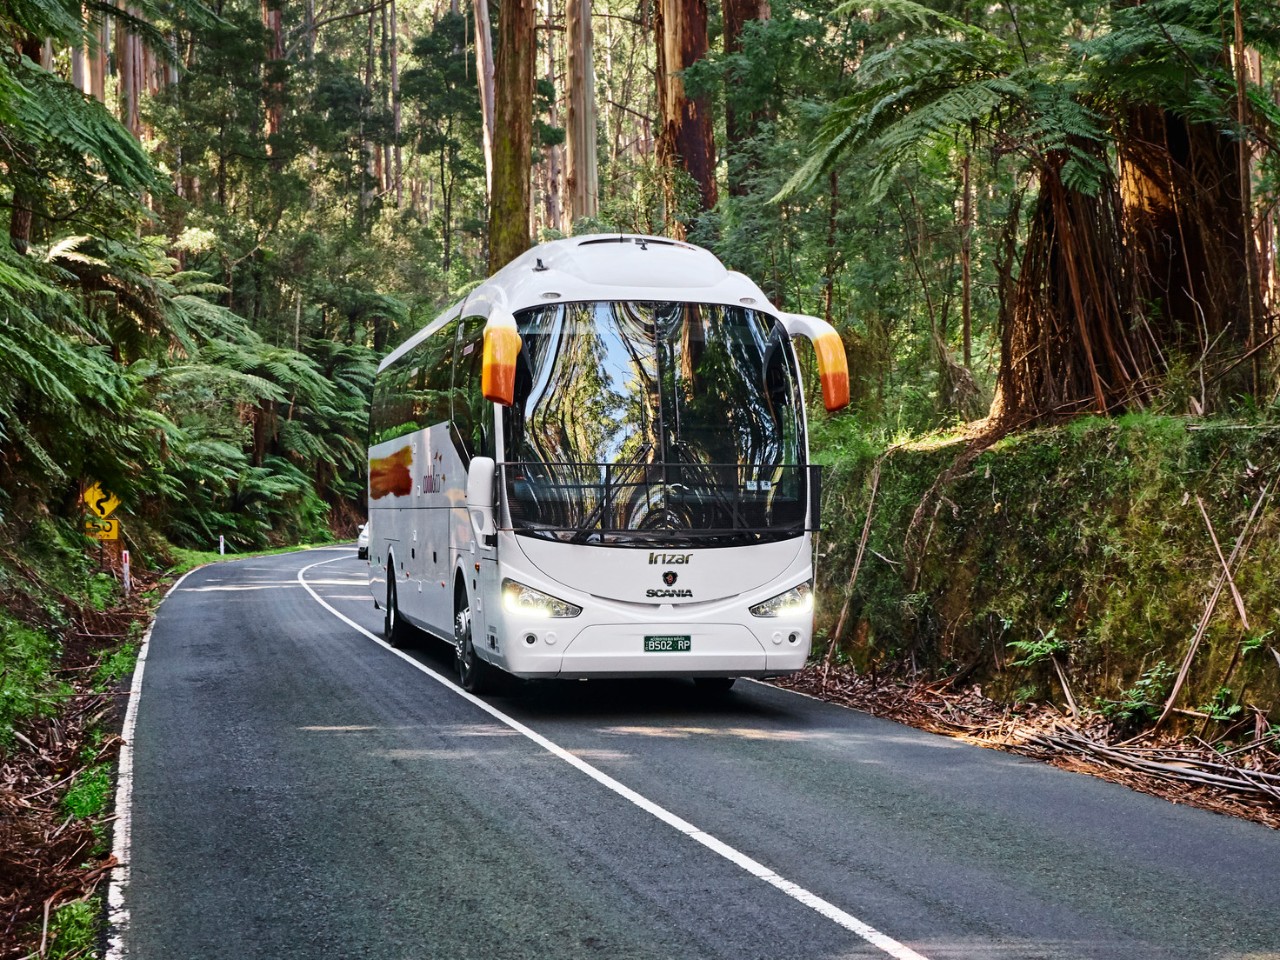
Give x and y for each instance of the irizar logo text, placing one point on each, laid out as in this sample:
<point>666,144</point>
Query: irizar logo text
<point>671,558</point>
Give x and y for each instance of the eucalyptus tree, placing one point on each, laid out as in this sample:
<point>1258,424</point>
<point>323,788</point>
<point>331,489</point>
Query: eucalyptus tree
<point>582,178</point>
<point>510,199</point>
<point>686,142</point>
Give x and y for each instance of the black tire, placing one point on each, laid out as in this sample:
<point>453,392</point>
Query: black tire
<point>474,675</point>
<point>395,631</point>
<point>714,685</point>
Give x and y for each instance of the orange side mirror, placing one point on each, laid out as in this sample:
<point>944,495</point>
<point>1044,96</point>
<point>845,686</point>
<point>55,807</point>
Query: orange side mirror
<point>498,374</point>
<point>833,365</point>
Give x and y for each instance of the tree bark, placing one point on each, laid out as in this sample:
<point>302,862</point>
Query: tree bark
<point>582,176</point>
<point>966,252</point>
<point>485,81</point>
<point>274,68</point>
<point>97,52</point>
<point>513,112</point>
<point>553,195</point>
<point>686,140</point>
<point>395,106</point>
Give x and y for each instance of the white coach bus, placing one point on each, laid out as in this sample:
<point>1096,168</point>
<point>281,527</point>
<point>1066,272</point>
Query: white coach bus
<point>596,465</point>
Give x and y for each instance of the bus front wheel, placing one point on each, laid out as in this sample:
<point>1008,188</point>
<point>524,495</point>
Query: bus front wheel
<point>474,675</point>
<point>394,630</point>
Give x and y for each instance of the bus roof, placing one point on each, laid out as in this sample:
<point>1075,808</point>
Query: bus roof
<point>603,266</point>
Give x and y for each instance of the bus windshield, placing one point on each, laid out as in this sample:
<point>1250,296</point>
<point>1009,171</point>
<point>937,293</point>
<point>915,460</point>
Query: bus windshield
<point>654,423</point>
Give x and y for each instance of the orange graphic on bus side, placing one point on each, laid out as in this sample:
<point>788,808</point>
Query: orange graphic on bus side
<point>390,475</point>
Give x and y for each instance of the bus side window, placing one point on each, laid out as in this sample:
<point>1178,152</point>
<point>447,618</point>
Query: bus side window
<point>471,412</point>
<point>431,392</point>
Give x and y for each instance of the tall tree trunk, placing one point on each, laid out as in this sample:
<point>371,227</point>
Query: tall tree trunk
<point>274,69</point>
<point>1253,305</point>
<point>1067,339</point>
<point>100,43</point>
<point>368,149</point>
<point>127,69</point>
<point>739,130</point>
<point>395,104</point>
<point>80,68</point>
<point>553,194</point>
<point>485,81</point>
<point>966,251</point>
<point>22,213</point>
<point>582,179</point>
<point>686,141</point>
<point>1186,234</point>
<point>513,113</point>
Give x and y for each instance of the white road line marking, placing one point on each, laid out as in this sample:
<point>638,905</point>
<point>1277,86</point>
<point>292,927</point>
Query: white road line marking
<point>122,833</point>
<point>824,907</point>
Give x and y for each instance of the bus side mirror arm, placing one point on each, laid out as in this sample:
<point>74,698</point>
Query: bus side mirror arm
<point>833,365</point>
<point>480,498</point>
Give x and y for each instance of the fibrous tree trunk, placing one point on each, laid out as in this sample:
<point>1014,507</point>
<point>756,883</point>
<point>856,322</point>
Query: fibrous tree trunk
<point>966,256</point>
<point>1066,337</point>
<point>274,69</point>
<point>685,142</point>
<point>395,106</point>
<point>1188,232</point>
<point>485,82</point>
<point>553,155</point>
<point>513,114</point>
<point>581,176</point>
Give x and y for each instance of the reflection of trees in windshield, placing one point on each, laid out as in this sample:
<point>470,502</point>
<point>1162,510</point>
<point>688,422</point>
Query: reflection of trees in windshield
<point>661,416</point>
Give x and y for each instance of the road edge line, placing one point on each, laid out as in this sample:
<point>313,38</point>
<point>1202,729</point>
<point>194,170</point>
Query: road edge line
<point>825,908</point>
<point>122,831</point>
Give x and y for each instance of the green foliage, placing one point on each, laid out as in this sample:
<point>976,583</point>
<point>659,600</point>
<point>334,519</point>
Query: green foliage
<point>115,666</point>
<point>27,684</point>
<point>1141,703</point>
<point>1089,532</point>
<point>89,793</point>
<point>1223,706</point>
<point>73,929</point>
<point>1047,646</point>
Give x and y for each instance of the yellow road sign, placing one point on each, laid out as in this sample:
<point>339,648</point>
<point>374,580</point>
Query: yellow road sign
<point>101,529</point>
<point>101,502</point>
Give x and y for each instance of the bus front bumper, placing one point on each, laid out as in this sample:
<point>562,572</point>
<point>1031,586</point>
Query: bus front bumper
<point>656,649</point>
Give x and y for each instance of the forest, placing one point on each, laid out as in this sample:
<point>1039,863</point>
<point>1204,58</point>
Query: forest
<point>1046,231</point>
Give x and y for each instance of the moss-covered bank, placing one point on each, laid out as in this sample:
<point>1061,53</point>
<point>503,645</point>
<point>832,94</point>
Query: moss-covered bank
<point>1083,543</point>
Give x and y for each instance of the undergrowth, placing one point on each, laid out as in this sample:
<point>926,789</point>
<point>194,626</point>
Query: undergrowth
<point>1087,538</point>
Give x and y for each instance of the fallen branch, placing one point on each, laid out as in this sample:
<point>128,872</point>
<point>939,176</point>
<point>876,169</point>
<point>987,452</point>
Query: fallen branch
<point>853,577</point>
<point>1241,547</point>
<point>1226,570</point>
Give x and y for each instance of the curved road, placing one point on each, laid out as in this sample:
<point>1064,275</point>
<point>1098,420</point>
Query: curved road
<point>301,790</point>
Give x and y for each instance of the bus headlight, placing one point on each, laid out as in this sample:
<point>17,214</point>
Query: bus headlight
<point>796,600</point>
<point>517,598</point>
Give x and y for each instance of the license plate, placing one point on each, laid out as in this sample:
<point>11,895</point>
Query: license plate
<point>668,644</point>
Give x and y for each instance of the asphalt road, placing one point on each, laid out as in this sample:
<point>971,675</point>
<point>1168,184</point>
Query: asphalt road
<point>302,791</point>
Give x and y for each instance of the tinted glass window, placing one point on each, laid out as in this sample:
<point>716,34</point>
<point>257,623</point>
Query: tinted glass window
<point>635,420</point>
<point>472,413</point>
<point>414,392</point>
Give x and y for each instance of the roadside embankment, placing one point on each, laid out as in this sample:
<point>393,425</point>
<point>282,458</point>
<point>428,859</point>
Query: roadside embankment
<point>1122,570</point>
